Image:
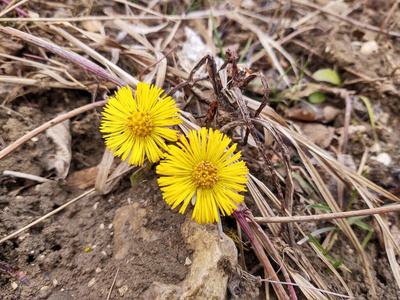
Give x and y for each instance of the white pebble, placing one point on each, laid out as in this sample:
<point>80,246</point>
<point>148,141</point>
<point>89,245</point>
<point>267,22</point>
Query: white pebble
<point>14,285</point>
<point>122,290</point>
<point>188,262</point>
<point>92,282</point>
<point>383,158</point>
<point>369,48</point>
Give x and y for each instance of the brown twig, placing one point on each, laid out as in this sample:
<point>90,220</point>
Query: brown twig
<point>183,84</point>
<point>22,140</point>
<point>390,13</point>
<point>346,19</point>
<point>112,285</point>
<point>152,65</point>
<point>331,216</point>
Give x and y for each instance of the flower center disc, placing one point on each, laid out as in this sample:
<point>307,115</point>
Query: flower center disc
<point>205,174</point>
<point>140,123</point>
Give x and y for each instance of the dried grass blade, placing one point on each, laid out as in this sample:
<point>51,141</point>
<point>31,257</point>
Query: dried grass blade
<point>262,205</point>
<point>267,42</point>
<point>345,227</point>
<point>309,293</point>
<point>104,169</point>
<point>71,56</point>
<point>38,83</point>
<point>95,55</point>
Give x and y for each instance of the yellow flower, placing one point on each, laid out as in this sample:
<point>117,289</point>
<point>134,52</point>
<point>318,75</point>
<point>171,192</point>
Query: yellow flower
<point>200,169</point>
<point>138,126</point>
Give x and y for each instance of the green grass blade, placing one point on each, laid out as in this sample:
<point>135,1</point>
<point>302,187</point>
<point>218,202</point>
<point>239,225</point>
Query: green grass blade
<point>219,43</point>
<point>370,114</point>
<point>246,49</point>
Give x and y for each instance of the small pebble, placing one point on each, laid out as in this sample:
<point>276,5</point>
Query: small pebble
<point>101,226</point>
<point>369,48</point>
<point>122,290</point>
<point>110,226</point>
<point>376,148</point>
<point>95,205</point>
<point>188,262</point>
<point>14,285</point>
<point>383,158</point>
<point>92,282</point>
<point>55,282</point>
<point>98,270</point>
<point>44,292</point>
<point>119,283</point>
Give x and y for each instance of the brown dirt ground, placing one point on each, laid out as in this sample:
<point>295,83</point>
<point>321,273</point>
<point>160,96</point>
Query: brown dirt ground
<point>63,254</point>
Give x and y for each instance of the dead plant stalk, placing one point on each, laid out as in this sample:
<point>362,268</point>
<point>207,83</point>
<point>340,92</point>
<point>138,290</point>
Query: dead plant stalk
<point>327,217</point>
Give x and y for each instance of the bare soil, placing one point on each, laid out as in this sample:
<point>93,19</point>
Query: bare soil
<point>75,254</point>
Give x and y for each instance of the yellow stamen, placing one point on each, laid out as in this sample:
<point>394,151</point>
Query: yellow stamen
<point>140,123</point>
<point>205,174</point>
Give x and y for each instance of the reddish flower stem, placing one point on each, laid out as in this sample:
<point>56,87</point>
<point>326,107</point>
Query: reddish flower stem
<point>18,10</point>
<point>276,257</point>
<point>240,215</point>
<point>71,56</point>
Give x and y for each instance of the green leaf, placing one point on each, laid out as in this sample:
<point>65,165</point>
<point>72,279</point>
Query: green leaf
<point>316,233</point>
<point>363,226</point>
<point>246,49</point>
<point>316,97</point>
<point>370,114</point>
<point>218,38</point>
<point>327,75</point>
<point>317,244</point>
<point>367,238</point>
<point>338,263</point>
<point>320,207</point>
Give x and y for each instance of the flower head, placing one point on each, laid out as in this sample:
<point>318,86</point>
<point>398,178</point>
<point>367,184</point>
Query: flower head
<point>137,126</point>
<point>200,169</point>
